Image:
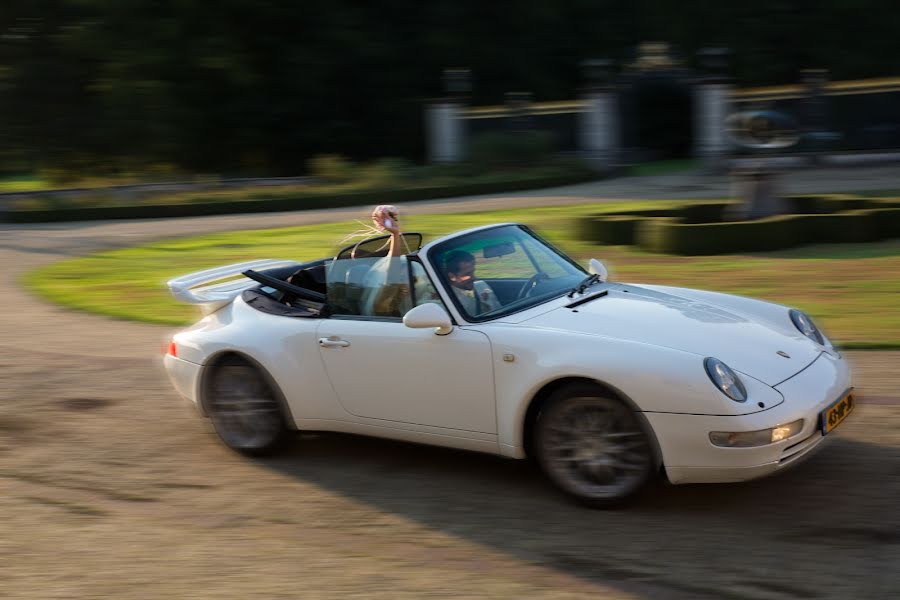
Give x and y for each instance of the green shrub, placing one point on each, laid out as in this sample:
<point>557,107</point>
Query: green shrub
<point>504,149</point>
<point>614,230</point>
<point>642,212</point>
<point>332,168</point>
<point>804,205</point>
<point>386,172</point>
<point>885,222</point>
<point>815,204</point>
<point>706,212</point>
<point>850,226</point>
<point>884,203</point>
<point>668,235</point>
<point>656,234</point>
<point>695,229</point>
<point>840,202</point>
<point>617,227</point>
<point>293,201</point>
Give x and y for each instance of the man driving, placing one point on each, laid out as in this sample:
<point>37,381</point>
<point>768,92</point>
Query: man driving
<point>475,296</point>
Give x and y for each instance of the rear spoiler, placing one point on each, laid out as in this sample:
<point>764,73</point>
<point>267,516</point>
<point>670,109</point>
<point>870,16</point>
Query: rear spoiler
<point>200,288</point>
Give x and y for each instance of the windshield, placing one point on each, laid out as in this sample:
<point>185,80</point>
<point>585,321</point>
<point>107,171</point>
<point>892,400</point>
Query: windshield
<point>502,270</point>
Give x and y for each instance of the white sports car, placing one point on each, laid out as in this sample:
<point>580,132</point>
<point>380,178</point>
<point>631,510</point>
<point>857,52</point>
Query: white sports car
<point>492,340</point>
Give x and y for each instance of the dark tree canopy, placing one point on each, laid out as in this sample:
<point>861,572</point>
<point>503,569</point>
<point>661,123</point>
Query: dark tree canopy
<point>261,86</point>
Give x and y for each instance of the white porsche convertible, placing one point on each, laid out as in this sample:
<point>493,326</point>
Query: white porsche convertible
<point>492,340</point>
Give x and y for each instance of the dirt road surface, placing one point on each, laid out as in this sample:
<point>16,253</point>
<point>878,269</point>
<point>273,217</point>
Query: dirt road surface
<point>111,487</point>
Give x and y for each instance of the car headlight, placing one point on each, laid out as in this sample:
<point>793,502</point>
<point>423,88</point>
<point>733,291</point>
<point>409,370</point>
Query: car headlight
<point>806,326</point>
<point>749,439</point>
<point>725,379</point>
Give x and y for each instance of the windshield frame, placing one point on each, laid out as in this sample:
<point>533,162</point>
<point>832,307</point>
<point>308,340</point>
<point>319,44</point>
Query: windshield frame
<point>509,309</point>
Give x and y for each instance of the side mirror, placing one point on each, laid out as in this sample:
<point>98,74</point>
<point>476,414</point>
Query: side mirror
<point>598,268</point>
<point>429,315</point>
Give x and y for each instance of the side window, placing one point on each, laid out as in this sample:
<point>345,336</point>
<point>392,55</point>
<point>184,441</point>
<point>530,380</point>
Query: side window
<point>424,290</point>
<point>369,287</point>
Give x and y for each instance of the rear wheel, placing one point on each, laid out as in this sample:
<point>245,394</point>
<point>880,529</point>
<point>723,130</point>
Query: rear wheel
<point>593,446</point>
<point>244,409</point>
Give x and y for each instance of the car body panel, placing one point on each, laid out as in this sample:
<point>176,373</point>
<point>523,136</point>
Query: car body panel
<point>637,314</point>
<point>677,381</point>
<point>285,347</point>
<point>185,376</point>
<point>774,316</point>
<point>435,436</point>
<point>390,372</point>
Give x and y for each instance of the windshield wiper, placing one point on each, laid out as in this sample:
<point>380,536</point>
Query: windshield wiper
<point>585,284</point>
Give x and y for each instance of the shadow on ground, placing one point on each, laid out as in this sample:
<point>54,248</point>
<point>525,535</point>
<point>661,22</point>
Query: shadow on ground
<point>813,532</point>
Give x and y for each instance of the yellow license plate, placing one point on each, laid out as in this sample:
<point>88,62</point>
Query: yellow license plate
<point>836,413</point>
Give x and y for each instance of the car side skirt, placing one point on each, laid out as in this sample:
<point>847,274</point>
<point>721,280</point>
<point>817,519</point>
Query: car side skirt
<point>463,440</point>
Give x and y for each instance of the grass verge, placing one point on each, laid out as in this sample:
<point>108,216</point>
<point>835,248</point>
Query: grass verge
<point>851,289</point>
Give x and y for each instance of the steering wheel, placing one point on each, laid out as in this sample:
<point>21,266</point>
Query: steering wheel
<point>531,284</point>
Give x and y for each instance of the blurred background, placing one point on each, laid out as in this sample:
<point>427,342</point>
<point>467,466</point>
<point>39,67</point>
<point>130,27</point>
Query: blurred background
<point>101,87</point>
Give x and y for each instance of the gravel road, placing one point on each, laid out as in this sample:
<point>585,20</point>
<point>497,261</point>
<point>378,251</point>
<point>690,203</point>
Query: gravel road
<point>113,488</point>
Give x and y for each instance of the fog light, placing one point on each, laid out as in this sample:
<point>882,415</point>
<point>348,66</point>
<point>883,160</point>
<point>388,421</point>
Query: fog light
<point>783,432</point>
<point>750,439</point>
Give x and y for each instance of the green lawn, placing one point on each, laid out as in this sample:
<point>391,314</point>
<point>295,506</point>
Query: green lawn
<point>851,289</point>
<point>24,183</point>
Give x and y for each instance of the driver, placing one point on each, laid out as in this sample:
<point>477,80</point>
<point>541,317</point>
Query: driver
<point>475,296</point>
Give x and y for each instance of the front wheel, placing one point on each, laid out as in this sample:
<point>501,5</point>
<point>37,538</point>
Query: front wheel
<point>593,446</point>
<point>243,408</point>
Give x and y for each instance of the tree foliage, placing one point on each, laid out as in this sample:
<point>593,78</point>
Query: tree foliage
<point>261,86</point>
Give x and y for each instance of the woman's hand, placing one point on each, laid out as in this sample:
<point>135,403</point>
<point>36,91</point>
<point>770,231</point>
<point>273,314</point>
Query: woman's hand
<point>386,217</point>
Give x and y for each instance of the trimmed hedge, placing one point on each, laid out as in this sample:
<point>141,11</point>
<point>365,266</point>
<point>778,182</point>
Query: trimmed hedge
<point>669,236</point>
<point>287,203</point>
<point>833,204</point>
<point>614,231</point>
<point>885,221</point>
<point>704,212</point>
<point>693,229</point>
<point>852,226</point>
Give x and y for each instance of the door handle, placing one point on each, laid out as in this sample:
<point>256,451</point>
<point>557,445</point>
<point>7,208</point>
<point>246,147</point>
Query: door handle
<point>333,342</point>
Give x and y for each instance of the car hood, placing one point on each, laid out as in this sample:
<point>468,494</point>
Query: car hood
<point>637,314</point>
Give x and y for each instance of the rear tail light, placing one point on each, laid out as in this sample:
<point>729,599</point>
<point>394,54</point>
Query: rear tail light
<point>173,350</point>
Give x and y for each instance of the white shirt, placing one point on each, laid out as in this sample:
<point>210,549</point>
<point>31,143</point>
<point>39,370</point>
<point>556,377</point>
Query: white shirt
<point>486,301</point>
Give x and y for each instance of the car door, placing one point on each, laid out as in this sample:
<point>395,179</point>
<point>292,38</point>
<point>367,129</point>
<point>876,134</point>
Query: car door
<point>381,369</point>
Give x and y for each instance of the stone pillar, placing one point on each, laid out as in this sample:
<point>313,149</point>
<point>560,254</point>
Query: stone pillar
<point>445,128</point>
<point>712,105</point>
<point>599,132</point>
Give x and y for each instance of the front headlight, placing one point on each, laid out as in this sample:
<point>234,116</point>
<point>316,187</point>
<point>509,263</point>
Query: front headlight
<point>750,439</point>
<point>806,326</point>
<point>725,379</point>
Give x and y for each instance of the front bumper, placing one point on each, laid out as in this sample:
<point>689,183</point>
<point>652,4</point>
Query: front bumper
<point>185,376</point>
<point>689,456</point>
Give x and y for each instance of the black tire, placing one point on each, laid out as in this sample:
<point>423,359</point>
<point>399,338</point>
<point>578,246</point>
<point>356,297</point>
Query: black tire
<point>593,446</point>
<point>244,409</point>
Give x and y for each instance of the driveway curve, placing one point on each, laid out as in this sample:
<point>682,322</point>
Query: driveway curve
<point>112,487</point>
